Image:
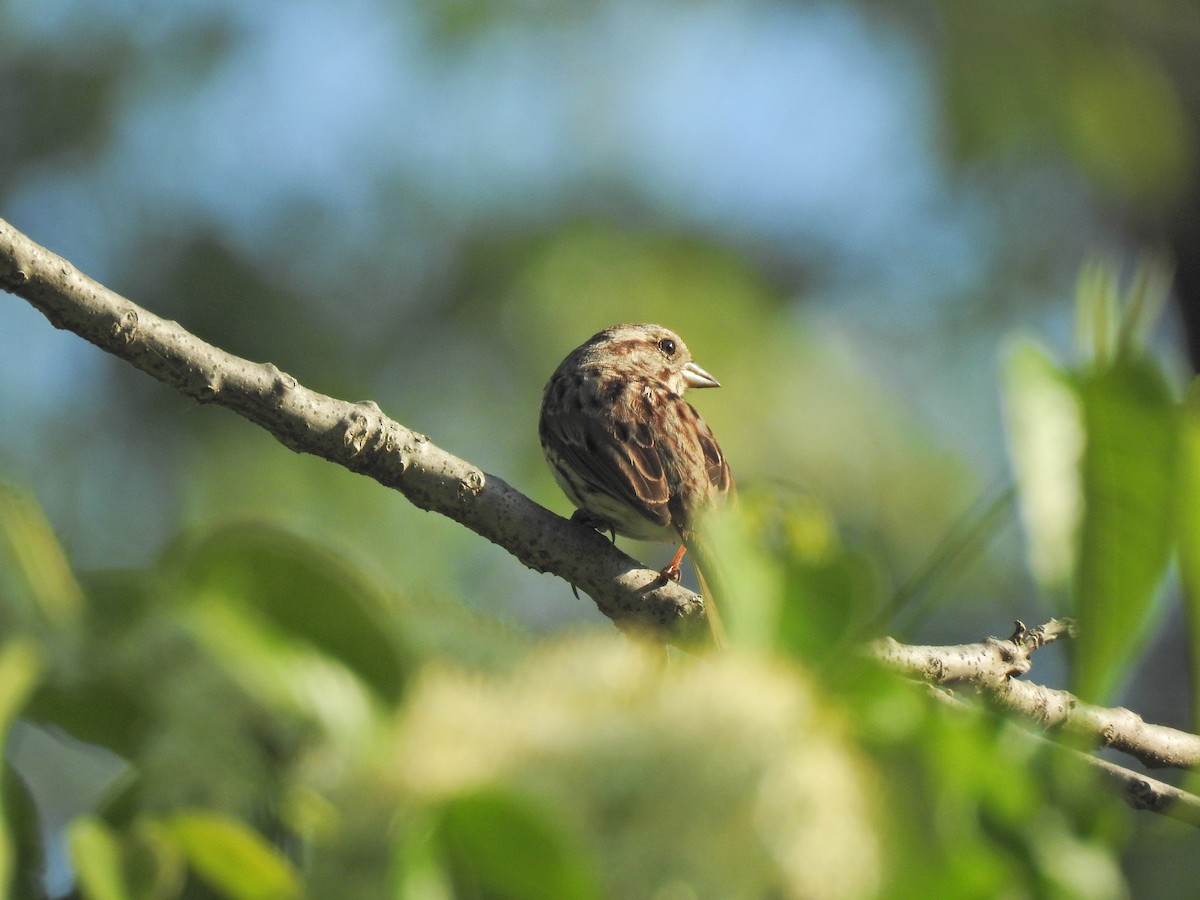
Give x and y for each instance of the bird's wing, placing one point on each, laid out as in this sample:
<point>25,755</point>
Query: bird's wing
<point>615,454</point>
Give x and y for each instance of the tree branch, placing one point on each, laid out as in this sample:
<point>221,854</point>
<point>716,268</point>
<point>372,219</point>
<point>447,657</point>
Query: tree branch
<point>992,667</point>
<point>361,438</point>
<point>355,435</point>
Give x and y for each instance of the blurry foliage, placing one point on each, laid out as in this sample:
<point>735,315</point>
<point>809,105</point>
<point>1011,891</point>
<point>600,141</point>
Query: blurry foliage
<point>1095,449</point>
<point>277,701</point>
<point>70,106</point>
<point>1021,78</point>
<point>272,750</point>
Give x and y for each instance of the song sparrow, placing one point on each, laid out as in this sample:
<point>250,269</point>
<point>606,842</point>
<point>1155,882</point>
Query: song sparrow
<point>624,445</point>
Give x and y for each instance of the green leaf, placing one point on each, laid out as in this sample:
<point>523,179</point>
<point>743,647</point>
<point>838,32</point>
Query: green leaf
<point>1111,322</point>
<point>1046,443</point>
<point>96,856</point>
<point>1187,509</point>
<point>1097,311</point>
<point>1123,122</point>
<point>749,590</point>
<point>1127,529</point>
<point>39,557</point>
<point>499,845</point>
<point>20,669</point>
<point>109,705</point>
<point>234,858</point>
<point>302,589</point>
<point>418,869</point>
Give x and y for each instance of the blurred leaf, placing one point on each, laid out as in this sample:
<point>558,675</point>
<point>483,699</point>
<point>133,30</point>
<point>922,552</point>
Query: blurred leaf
<point>1098,311</point>
<point>973,801</point>
<point>1126,533</point>
<point>1020,76</point>
<point>65,102</point>
<point>1110,322</point>
<point>1046,441</point>
<point>96,857</point>
<point>418,870</point>
<point>825,589</point>
<point>748,589</point>
<point>1144,302</point>
<point>1187,508</point>
<point>498,844</point>
<point>40,557</point>
<point>20,668</point>
<point>106,703</point>
<point>728,776</point>
<point>155,864</point>
<point>1095,454</point>
<point>1124,123</point>
<point>233,858</point>
<point>300,587</point>
<point>280,672</point>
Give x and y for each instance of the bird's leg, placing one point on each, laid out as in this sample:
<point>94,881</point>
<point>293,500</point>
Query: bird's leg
<point>671,571</point>
<point>595,522</point>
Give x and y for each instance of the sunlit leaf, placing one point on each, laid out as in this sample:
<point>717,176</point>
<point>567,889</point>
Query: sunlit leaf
<point>40,557</point>
<point>749,591</point>
<point>1111,322</point>
<point>822,588</point>
<point>500,845</point>
<point>1144,301</point>
<point>419,864</point>
<point>1046,439</point>
<point>155,864</point>
<point>234,858</point>
<point>1097,311</point>
<point>20,668</point>
<point>1127,527</point>
<point>96,856</point>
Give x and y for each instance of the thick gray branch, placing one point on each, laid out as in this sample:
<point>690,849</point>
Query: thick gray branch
<point>355,435</point>
<point>993,666</point>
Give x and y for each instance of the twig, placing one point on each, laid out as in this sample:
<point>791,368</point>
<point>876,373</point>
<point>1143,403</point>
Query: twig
<point>988,663</point>
<point>355,435</point>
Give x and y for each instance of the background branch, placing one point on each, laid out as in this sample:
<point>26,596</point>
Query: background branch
<point>357,436</point>
<point>992,666</point>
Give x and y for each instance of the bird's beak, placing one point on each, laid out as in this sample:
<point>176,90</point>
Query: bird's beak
<point>694,376</point>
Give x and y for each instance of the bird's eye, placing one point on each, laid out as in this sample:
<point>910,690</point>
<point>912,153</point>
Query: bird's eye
<point>667,346</point>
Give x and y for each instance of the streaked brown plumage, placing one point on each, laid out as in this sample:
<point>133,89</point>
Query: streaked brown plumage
<point>624,444</point>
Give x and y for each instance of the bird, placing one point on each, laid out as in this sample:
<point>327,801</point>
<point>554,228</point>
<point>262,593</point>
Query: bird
<point>628,450</point>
